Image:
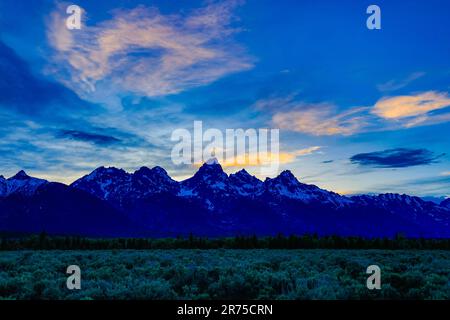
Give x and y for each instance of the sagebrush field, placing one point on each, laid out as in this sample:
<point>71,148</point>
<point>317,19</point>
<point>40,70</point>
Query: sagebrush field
<point>225,274</point>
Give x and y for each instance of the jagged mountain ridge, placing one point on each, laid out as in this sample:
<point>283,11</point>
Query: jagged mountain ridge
<point>20,183</point>
<point>213,203</point>
<point>210,181</point>
<point>118,186</point>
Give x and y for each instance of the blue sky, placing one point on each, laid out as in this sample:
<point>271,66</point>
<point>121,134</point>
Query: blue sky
<point>358,110</point>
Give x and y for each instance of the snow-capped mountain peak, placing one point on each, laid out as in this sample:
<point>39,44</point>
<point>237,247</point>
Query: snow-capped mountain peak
<point>286,185</point>
<point>102,172</point>
<point>244,177</point>
<point>155,180</point>
<point>238,202</point>
<point>245,184</point>
<point>209,179</point>
<point>21,175</point>
<point>103,182</point>
<point>284,179</point>
<point>155,171</point>
<point>117,184</point>
<point>287,174</point>
<point>211,164</point>
<point>20,183</point>
<point>143,171</point>
<point>159,170</point>
<point>212,161</point>
<point>210,172</point>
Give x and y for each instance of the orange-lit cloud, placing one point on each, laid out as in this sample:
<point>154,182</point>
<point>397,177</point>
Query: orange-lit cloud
<point>345,192</point>
<point>256,160</point>
<point>321,120</point>
<point>389,113</point>
<point>144,51</point>
<point>418,105</point>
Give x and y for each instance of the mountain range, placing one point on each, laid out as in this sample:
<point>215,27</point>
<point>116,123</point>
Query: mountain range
<point>111,202</point>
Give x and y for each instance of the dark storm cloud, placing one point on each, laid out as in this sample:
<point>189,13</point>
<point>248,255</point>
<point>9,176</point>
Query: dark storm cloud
<point>95,138</point>
<point>396,158</point>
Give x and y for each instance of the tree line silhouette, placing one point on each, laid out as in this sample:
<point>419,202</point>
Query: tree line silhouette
<point>307,241</point>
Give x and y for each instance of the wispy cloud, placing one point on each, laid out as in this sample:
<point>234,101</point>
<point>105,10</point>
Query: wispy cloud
<point>321,120</point>
<point>62,154</point>
<point>388,113</point>
<point>306,151</point>
<point>396,158</point>
<point>415,109</point>
<point>393,85</point>
<point>277,103</point>
<point>146,52</point>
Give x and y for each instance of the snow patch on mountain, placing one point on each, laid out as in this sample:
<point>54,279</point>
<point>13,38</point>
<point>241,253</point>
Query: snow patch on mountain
<point>286,185</point>
<point>411,208</point>
<point>209,179</point>
<point>20,183</point>
<point>212,161</point>
<point>245,184</point>
<point>240,201</point>
<point>117,185</point>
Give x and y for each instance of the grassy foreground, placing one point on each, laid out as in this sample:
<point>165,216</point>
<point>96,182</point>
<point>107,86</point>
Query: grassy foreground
<point>225,274</point>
